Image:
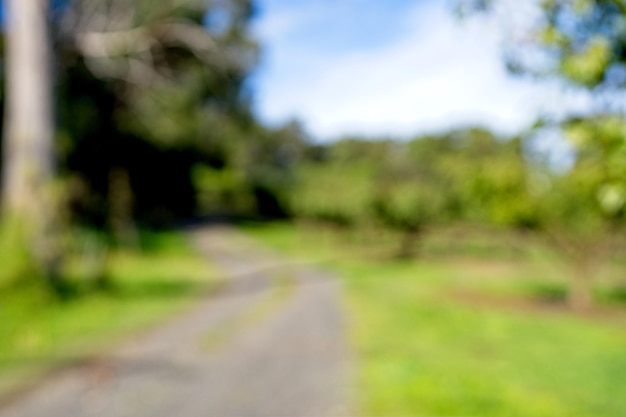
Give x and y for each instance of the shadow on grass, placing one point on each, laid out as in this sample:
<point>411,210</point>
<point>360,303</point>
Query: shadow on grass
<point>548,293</point>
<point>613,295</point>
<point>161,290</point>
<point>78,292</point>
<point>553,293</point>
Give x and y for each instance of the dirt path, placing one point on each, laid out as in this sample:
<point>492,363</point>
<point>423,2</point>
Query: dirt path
<point>270,344</point>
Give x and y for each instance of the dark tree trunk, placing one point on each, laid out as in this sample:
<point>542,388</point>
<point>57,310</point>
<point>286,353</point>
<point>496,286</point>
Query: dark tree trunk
<point>580,292</point>
<point>409,244</point>
<point>121,208</point>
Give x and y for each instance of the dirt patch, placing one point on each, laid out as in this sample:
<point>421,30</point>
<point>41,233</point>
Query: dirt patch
<point>534,305</point>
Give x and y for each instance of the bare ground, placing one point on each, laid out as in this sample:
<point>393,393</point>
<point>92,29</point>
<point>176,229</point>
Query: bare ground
<point>243,352</point>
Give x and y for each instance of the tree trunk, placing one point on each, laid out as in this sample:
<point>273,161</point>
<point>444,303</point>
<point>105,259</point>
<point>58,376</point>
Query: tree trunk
<point>29,131</point>
<point>580,293</point>
<point>121,208</point>
<point>409,244</point>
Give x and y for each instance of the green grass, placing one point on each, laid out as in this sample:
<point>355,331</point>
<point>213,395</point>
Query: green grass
<point>39,331</point>
<point>421,349</point>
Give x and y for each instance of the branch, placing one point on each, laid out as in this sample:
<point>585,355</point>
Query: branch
<point>111,44</point>
<point>191,36</point>
<point>131,71</point>
<point>137,40</point>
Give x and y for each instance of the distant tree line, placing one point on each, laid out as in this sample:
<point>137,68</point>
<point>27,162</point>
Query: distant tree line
<point>471,177</point>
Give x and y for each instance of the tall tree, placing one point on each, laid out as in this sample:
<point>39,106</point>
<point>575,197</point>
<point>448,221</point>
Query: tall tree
<point>581,43</point>
<point>172,76</point>
<point>29,130</point>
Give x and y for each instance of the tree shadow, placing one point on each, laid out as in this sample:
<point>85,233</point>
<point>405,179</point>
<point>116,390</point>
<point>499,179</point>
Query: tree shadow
<point>156,289</point>
<point>548,293</point>
<point>613,295</point>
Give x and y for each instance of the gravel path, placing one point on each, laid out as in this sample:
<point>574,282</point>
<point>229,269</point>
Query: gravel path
<point>271,343</point>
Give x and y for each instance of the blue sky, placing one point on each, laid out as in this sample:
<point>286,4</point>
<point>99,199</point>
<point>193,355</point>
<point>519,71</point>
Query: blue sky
<point>393,67</point>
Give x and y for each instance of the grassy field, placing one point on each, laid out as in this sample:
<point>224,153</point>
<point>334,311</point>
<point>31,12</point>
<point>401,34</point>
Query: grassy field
<point>473,328</point>
<point>39,331</point>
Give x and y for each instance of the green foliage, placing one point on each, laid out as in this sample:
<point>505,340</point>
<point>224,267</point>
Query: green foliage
<point>590,197</point>
<point>581,41</point>
<point>222,190</point>
<point>464,176</point>
<point>582,211</point>
<point>165,91</point>
<point>253,174</point>
<point>470,176</point>
<point>411,191</point>
<point>333,183</point>
<point>334,193</point>
<point>15,259</point>
<point>409,205</point>
<point>588,65</point>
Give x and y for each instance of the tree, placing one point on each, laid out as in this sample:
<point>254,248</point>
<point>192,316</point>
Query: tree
<point>335,181</point>
<point>161,83</point>
<point>412,192</point>
<point>491,177</point>
<point>27,195</point>
<point>585,41</point>
<point>583,212</point>
<point>581,43</point>
<point>139,86</point>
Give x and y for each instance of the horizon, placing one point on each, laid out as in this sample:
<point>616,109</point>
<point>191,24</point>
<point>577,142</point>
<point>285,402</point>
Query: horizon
<point>425,71</point>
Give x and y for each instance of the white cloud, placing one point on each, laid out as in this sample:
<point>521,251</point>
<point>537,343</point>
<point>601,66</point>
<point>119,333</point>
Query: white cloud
<point>439,74</point>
